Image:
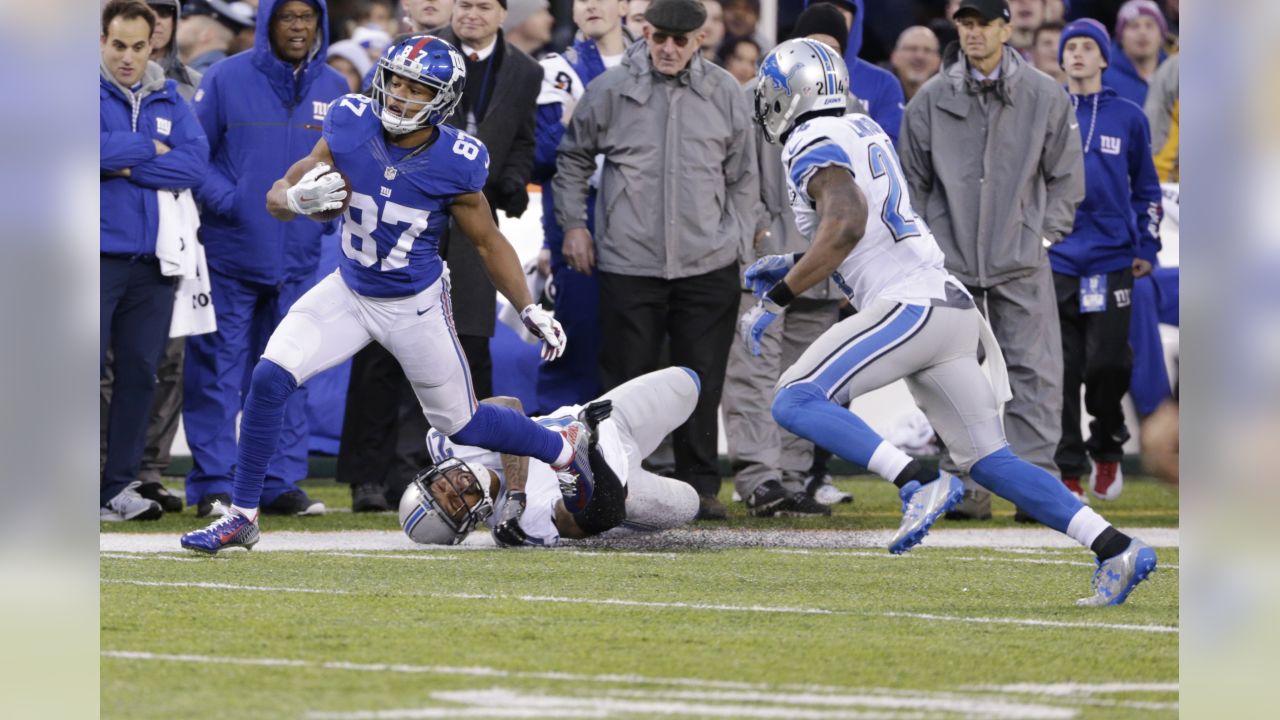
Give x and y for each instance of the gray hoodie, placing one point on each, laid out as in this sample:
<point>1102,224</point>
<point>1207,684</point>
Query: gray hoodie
<point>187,78</point>
<point>993,177</point>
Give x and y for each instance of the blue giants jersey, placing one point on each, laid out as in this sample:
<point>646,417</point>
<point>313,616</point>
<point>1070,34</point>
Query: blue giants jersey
<point>391,231</point>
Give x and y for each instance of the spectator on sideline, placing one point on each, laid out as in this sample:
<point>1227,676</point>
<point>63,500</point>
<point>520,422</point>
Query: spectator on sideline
<point>876,87</point>
<point>376,14</point>
<point>207,30</point>
<point>741,18</point>
<point>993,157</point>
<point>1044,51</point>
<point>427,16</point>
<point>1026,16</point>
<point>1140,33</point>
<point>1114,240</point>
<point>673,225</point>
<point>528,25</point>
<point>247,31</point>
<point>915,58</point>
<point>262,111</point>
<point>741,57</point>
<point>164,48</point>
<point>713,29</point>
<point>1162,114</point>
<point>350,59</point>
<point>635,21</point>
<point>575,377</point>
<point>149,142</point>
<point>384,431</point>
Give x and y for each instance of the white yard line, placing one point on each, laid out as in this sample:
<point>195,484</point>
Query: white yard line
<point>389,556</point>
<point>1076,689</point>
<point>947,558</point>
<point>686,538</point>
<point>1031,622</point>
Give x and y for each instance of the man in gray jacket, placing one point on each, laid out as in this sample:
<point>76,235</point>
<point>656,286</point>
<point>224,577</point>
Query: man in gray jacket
<point>992,152</point>
<point>674,215</point>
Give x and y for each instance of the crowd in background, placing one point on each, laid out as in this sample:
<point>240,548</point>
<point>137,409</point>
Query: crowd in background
<point>642,251</point>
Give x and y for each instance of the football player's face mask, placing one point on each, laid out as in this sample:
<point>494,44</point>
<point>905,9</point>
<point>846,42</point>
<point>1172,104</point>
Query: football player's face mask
<point>444,503</point>
<point>418,83</point>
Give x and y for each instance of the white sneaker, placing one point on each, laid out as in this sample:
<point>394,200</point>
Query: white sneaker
<point>129,505</point>
<point>829,494</point>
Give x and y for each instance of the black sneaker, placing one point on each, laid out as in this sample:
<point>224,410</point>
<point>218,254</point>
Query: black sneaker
<point>802,505</point>
<point>294,502</point>
<point>369,497</point>
<point>710,508</point>
<point>159,493</point>
<point>205,507</point>
<point>768,497</point>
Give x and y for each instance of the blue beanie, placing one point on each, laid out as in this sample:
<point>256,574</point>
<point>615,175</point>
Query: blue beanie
<point>1090,28</point>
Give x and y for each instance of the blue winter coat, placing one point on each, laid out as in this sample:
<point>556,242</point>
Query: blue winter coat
<point>876,87</point>
<point>128,216</point>
<point>1123,77</point>
<point>1120,216</point>
<point>261,117</point>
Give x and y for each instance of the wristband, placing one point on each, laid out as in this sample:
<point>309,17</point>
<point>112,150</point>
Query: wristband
<point>517,496</point>
<point>781,294</point>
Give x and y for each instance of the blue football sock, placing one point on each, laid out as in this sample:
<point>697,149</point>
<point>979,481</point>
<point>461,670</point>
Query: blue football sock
<point>805,410</point>
<point>269,390</point>
<point>1035,491</point>
<point>494,427</point>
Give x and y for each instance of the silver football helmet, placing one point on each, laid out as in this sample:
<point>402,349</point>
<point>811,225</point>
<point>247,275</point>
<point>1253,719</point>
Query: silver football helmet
<point>444,503</point>
<point>800,76</point>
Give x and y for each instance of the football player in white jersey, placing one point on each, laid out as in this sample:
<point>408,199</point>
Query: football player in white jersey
<point>913,321</point>
<point>470,485</point>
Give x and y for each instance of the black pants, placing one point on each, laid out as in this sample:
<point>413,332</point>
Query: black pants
<point>1095,353</point>
<point>697,315</point>
<point>135,307</point>
<point>383,429</point>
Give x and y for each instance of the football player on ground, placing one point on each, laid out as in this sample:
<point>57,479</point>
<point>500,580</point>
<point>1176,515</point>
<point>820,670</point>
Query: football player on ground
<point>470,485</point>
<point>914,321</point>
<point>408,175</point>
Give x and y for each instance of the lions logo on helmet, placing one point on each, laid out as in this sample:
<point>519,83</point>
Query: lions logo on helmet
<point>423,59</point>
<point>799,77</point>
<point>444,503</point>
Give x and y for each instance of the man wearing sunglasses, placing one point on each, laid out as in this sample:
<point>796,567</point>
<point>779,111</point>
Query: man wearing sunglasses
<point>675,212</point>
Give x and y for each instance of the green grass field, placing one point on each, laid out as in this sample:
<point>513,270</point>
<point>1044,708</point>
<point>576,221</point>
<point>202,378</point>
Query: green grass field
<point>592,630</point>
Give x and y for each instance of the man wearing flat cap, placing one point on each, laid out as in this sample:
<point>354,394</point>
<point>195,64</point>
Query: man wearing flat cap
<point>674,216</point>
<point>991,150</point>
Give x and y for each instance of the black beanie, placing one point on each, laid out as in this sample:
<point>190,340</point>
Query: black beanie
<point>823,18</point>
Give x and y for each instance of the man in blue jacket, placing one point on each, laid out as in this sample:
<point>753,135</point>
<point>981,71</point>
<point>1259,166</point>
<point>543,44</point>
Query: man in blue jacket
<point>1138,50</point>
<point>575,377</point>
<point>1114,240</point>
<point>262,110</point>
<point>876,87</point>
<point>149,141</point>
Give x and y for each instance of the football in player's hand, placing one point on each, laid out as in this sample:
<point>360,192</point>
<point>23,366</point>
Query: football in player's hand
<point>327,215</point>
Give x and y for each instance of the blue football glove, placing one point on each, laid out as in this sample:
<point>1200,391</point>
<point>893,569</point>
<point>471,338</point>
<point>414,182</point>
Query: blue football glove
<point>754,321</point>
<point>767,271</point>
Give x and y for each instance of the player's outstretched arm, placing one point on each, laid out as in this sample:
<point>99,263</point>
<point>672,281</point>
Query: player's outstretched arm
<point>507,531</point>
<point>277,196</point>
<point>842,221</point>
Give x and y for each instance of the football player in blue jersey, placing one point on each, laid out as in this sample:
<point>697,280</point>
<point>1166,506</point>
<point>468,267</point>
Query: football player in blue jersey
<point>408,174</point>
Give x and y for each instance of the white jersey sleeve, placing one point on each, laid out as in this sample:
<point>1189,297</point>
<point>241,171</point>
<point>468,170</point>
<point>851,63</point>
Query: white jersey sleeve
<point>897,257</point>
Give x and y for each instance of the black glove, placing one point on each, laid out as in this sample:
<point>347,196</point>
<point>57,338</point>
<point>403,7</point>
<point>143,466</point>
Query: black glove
<point>512,197</point>
<point>508,532</point>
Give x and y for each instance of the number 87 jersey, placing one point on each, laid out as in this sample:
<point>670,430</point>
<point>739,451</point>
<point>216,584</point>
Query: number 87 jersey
<point>400,197</point>
<point>897,257</point>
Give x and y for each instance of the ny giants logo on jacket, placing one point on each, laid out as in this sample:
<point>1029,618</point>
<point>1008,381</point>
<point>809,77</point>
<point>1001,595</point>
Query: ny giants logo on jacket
<point>1110,145</point>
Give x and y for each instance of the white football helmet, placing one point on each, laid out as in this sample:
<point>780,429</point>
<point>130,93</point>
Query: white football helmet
<point>444,503</point>
<point>800,76</point>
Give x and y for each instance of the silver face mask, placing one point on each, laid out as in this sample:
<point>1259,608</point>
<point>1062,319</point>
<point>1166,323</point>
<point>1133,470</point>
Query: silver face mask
<point>444,503</point>
<point>799,77</point>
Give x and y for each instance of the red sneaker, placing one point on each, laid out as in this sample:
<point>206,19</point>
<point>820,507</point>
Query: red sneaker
<point>1106,481</point>
<point>1073,484</point>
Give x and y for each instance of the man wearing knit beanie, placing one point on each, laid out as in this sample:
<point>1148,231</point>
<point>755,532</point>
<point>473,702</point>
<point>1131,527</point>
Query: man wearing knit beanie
<point>825,23</point>
<point>1113,241</point>
<point>1140,32</point>
<point>528,25</point>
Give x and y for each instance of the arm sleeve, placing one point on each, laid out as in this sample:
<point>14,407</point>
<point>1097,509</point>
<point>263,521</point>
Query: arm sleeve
<point>1062,165</point>
<point>1145,191</point>
<point>768,178</point>
<point>118,150</point>
<point>217,192</point>
<point>548,131</point>
<point>186,164</point>
<point>742,182</point>
<point>576,161</point>
<point>914,150</point>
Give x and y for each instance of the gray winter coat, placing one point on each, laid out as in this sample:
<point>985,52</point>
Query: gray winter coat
<point>993,181</point>
<point>678,193</point>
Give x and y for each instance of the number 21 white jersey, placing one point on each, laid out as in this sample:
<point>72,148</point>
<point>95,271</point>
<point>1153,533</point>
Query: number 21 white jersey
<point>897,258</point>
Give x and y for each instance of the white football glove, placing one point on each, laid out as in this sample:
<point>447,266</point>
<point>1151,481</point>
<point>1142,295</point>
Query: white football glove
<point>545,326</point>
<point>320,190</point>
